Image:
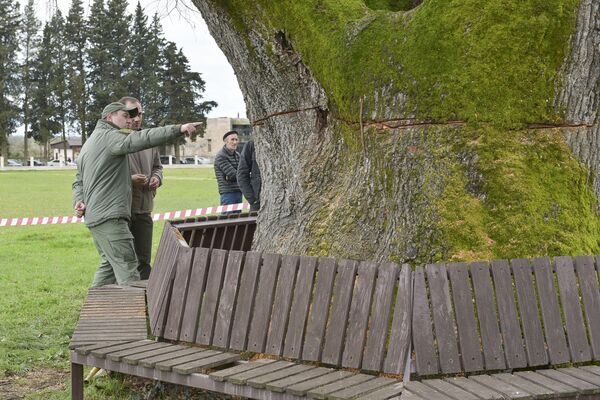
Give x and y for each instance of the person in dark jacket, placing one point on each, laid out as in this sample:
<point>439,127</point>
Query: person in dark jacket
<point>226,164</point>
<point>248,176</point>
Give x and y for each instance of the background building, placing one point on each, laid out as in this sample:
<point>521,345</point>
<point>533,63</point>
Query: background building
<point>211,143</point>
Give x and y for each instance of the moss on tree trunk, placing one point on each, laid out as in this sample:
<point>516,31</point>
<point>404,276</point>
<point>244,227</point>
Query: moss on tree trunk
<point>452,131</point>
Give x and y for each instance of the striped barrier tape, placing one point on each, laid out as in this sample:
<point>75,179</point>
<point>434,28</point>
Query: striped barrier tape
<point>29,221</point>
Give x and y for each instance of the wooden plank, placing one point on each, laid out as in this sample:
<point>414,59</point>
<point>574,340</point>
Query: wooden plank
<point>150,362</point>
<point>451,390</point>
<point>300,389</point>
<point>206,363</point>
<point>535,346</point>
<point>468,340</point>
<point>384,393</point>
<point>491,339</point>
<point>242,378</point>
<point>85,350</point>
<point>582,374</point>
<point>322,392</point>
<point>512,392</point>
<point>558,351</point>
<point>263,303</point>
<point>248,237</point>
<point>118,355</point>
<point>282,304</point>
<point>557,387</point>
<point>168,365</point>
<point>425,350</point>
<point>569,296</point>
<point>381,310</point>
<point>179,294</point>
<point>594,369</point>
<point>443,318</point>
<point>509,317</point>
<point>101,351</point>
<point>223,374</point>
<point>590,292</point>
<point>482,392</point>
<point>582,386</point>
<point>299,311</point>
<point>261,381</point>
<point>281,384</point>
<point>319,310</point>
<point>208,310</point>
<point>360,308</point>
<point>197,287</point>
<point>228,298</point>
<point>133,359</point>
<point>245,304</point>
<point>539,391</point>
<point>424,391</point>
<point>400,337</point>
<point>336,328</point>
<point>361,389</point>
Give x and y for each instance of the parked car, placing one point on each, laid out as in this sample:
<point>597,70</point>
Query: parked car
<point>201,160</point>
<point>13,163</point>
<point>164,160</point>
<point>36,163</point>
<point>60,163</point>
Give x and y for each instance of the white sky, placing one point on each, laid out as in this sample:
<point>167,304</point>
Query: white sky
<point>191,34</point>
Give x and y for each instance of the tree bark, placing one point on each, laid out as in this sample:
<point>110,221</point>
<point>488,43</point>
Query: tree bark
<point>370,164</point>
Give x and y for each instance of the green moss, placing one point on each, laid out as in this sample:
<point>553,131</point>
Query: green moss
<point>389,5</point>
<point>493,61</point>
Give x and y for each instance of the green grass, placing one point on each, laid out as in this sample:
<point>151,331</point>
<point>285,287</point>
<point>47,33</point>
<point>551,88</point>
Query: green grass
<point>45,271</point>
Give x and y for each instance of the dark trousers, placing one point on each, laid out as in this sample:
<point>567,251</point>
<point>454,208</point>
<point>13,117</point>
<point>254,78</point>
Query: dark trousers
<point>231,198</point>
<point>141,229</point>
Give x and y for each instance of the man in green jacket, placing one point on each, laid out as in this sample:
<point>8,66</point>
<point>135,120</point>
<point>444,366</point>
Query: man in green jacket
<point>102,188</point>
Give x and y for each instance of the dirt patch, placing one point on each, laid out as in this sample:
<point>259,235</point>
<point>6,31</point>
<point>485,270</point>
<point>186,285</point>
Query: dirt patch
<point>17,386</point>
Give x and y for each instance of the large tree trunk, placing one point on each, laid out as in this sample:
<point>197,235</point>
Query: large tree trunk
<point>438,133</point>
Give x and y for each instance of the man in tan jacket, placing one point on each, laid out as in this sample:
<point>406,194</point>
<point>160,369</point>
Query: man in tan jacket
<point>146,177</point>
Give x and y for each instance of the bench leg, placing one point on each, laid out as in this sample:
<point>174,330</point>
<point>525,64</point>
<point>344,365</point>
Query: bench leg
<point>76,381</point>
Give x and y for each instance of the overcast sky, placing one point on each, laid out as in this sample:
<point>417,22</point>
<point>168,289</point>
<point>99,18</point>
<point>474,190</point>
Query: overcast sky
<point>191,34</point>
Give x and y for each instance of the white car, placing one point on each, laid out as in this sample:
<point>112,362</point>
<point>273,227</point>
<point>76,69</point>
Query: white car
<point>13,163</point>
<point>60,163</point>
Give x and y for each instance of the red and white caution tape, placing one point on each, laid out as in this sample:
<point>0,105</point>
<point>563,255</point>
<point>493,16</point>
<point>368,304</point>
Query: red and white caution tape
<point>28,221</point>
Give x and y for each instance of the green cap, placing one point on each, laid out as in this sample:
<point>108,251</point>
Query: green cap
<point>116,106</point>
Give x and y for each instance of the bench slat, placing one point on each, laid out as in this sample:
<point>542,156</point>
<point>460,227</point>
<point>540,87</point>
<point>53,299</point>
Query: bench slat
<point>102,351</point>
<point>222,375</point>
<point>451,390</point>
<point>509,317</point>
<point>167,365</point>
<point>477,389</point>
<point>263,303</point>
<point>502,387</point>
<point>179,293</point>
<point>535,389</point>
<point>150,362</point>
<point>228,297</point>
<point>336,328</point>
<point>424,391</point>
<point>400,337</point>
<point>381,310</point>
<point>261,381</point>
<point>319,310</point>
<point>197,282</point>
<point>532,327</point>
<point>590,290</point>
<point>206,363</point>
<point>359,315</point>
<point>245,303</point>
<point>443,318</point>
<point>208,310</point>
<point>486,311</point>
<point>281,384</point>
<point>553,327</point>
<point>134,359</point>
<point>426,357</point>
<point>569,296</point>
<point>322,392</point>
<point>582,374</point>
<point>300,389</point>
<point>242,378</point>
<point>362,388</point>
<point>299,310</point>
<point>118,355</point>
<point>282,304</point>
<point>552,384</point>
<point>470,346</point>
<point>582,386</point>
<point>594,369</point>
<point>383,393</point>
<point>85,350</point>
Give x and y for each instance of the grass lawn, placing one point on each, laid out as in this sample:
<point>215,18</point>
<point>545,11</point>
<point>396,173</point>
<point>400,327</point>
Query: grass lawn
<point>45,272</point>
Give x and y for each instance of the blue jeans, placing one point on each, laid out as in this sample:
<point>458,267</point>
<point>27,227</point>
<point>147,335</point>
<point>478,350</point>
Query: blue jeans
<point>231,198</point>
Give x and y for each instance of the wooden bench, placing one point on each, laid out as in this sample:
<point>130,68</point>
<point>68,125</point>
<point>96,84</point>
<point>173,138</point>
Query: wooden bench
<point>344,329</point>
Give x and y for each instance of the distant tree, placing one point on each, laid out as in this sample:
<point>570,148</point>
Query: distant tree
<point>151,73</point>
<point>30,39</point>
<point>75,40</point>
<point>10,23</point>
<point>137,48</point>
<point>120,55</point>
<point>58,81</point>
